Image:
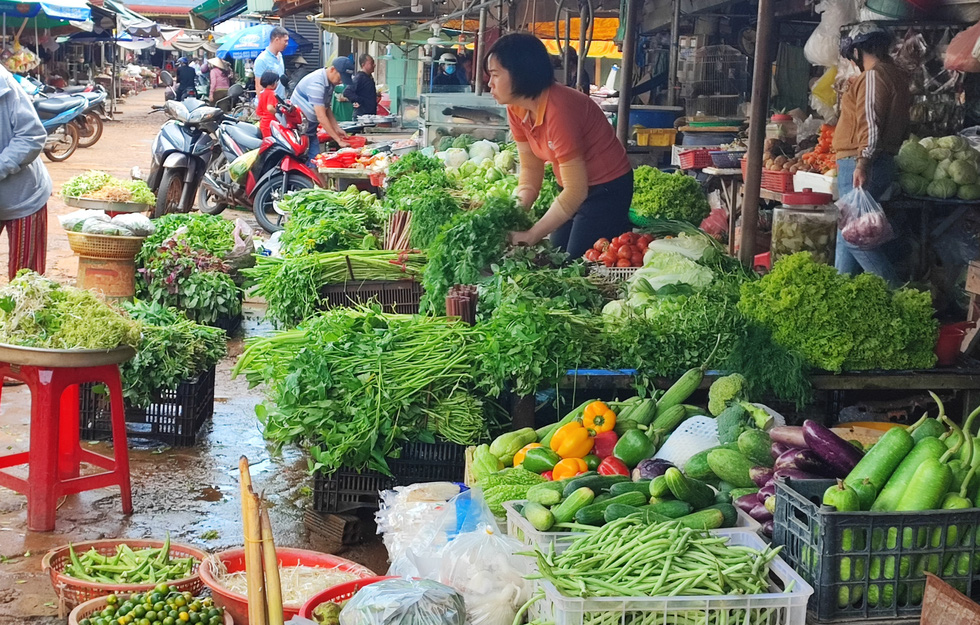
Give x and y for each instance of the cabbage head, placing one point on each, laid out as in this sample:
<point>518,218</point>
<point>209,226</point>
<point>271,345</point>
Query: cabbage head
<point>963,172</point>
<point>953,143</point>
<point>913,158</point>
<point>940,154</point>
<point>942,189</point>
<point>928,143</point>
<point>913,184</point>
<point>929,173</point>
<point>455,157</point>
<point>969,155</point>
<point>969,192</point>
<point>942,170</point>
<point>505,160</point>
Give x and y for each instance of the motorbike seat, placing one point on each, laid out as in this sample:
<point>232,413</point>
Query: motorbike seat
<point>245,135</point>
<point>52,107</point>
<point>74,89</point>
<point>91,96</point>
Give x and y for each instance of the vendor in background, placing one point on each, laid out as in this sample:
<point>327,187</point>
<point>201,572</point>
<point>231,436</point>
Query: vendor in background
<point>554,124</point>
<point>572,68</point>
<point>186,79</point>
<point>447,78</point>
<point>874,120</point>
<point>221,77</point>
<point>362,92</point>
<point>314,94</point>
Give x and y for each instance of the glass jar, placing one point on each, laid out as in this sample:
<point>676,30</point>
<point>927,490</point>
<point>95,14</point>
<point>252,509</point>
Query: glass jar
<point>806,222</point>
<point>781,128</point>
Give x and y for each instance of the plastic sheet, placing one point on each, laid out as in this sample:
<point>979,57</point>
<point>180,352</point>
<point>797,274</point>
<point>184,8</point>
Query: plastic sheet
<point>405,602</point>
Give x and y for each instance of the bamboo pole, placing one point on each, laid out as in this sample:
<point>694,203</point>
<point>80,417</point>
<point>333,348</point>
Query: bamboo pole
<point>273,587</point>
<point>253,547</point>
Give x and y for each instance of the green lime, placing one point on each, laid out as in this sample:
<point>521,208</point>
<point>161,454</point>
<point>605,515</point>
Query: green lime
<point>169,621</point>
<point>151,615</point>
<point>162,588</point>
<point>111,600</point>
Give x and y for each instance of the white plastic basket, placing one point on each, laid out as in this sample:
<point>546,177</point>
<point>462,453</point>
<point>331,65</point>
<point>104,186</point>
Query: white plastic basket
<point>615,273</point>
<point>693,436</point>
<point>777,607</point>
<point>520,528</point>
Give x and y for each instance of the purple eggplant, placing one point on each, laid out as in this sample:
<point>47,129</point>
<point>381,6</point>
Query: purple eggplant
<point>768,527</point>
<point>761,475</point>
<point>745,503</point>
<point>650,468</point>
<point>795,474</point>
<point>803,460</point>
<point>760,514</point>
<point>834,450</point>
<point>778,449</point>
<point>768,490</point>
<point>791,435</point>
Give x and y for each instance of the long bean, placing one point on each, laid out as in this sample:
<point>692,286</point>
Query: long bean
<point>127,566</point>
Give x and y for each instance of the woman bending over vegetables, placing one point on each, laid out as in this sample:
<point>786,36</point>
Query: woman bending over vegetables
<point>554,124</point>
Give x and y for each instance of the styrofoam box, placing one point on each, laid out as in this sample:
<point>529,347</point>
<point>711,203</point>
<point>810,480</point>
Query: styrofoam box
<point>520,528</point>
<point>784,604</point>
<point>815,182</point>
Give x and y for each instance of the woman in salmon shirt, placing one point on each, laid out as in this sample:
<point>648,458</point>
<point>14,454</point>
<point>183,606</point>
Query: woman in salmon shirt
<point>554,124</point>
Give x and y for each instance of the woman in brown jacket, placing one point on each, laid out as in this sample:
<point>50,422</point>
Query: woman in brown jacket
<point>873,123</point>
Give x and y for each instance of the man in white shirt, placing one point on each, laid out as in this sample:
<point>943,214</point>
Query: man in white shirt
<point>270,60</point>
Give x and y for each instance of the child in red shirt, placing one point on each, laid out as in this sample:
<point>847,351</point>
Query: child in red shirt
<point>266,107</point>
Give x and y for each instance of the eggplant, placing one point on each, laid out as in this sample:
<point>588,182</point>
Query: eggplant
<point>768,527</point>
<point>760,514</point>
<point>803,460</point>
<point>769,490</point>
<point>791,435</point>
<point>795,474</point>
<point>778,449</point>
<point>746,503</point>
<point>651,468</point>
<point>832,449</point>
<point>761,475</point>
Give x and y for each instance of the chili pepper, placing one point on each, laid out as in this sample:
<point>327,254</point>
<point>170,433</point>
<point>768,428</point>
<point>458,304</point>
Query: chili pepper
<point>569,467</point>
<point>540,459</point>
<point>613,466</point>
<point>519,456</point>
<point>598,418</point>
<point>572,441</point>
<point>605,442</point>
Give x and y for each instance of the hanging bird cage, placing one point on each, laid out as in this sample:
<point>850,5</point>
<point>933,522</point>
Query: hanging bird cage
<point>715,82</point>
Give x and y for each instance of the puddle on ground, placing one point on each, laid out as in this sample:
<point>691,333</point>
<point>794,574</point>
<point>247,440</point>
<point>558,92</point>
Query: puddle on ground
<point>209,493</point>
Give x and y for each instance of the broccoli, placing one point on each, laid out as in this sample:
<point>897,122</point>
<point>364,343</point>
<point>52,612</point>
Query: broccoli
<point>731,423</point>
<point>444,144</point>
<point>464,141</point>
<point>730,388</point>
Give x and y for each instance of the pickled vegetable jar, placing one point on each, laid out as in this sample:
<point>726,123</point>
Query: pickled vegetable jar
<point>781,128</point>
<point>806,222</point>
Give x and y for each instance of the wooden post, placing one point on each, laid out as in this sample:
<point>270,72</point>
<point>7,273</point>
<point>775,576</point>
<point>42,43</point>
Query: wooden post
<point>761,75</point>
<point>675,34</point>
<point>626,71</point>
<point>583,29</point>
<point>480,52</point>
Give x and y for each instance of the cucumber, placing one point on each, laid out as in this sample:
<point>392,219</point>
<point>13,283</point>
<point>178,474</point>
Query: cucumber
<point>617,511</point>
<point>639,486</point>
<point>650,517</point>
<point>709,519</point>
<point>898,483</point>
<point>696,493</point>
<point>882,460</point>
<point>602,497</point>
<point>546,493</point>
<point>593,513</point>
<point>731,466</point>
<point>597,483</point>
<point>756,446</point>
<point>680,390</point>
<point>673,509</point>
<point>658,487</point>
<point>697,467</point>
<point>669,418</point>
<point>729,513</point>
<point>565,511</point>
<point>538,516</point>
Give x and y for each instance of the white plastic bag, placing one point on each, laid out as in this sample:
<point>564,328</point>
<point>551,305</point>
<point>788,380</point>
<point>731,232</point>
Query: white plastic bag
<point>74,220</point>
<point>483,567</point>
<point>138,223</point>
<point>863,223</point>
<point>823,46</point>
<point>404,602</point>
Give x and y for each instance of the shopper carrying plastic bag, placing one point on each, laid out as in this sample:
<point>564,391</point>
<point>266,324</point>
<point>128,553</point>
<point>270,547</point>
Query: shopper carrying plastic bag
<point>863,223</point>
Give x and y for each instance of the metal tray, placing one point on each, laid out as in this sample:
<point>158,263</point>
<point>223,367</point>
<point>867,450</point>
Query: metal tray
<point>105,205</point>
<point>64,358</point>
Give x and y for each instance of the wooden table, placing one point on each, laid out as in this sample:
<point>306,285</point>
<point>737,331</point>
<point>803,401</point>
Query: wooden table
<point>331,176</point>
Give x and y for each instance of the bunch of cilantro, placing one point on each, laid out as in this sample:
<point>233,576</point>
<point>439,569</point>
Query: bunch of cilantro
<point>668,196</point>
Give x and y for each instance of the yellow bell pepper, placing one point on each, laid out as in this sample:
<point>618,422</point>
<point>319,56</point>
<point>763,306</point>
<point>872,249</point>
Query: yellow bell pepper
<point>598,418</point>
<point>569,467</point>
<point>572,441</point>
<point>519,456</point>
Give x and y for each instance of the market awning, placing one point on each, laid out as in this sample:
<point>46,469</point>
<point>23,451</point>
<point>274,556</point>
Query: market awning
<point>61,10</point>
<point>216,11</point>
<point>132,22</point>
<point>604,29</point>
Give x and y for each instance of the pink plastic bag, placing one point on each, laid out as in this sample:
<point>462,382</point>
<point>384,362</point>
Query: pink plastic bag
<point>863,223</point>
<point>959,54</point>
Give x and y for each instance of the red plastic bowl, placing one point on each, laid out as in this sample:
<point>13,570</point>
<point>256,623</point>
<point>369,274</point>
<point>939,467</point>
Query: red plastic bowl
<point>357,141</point>
<point>340,592</point>
<point>234,560</point>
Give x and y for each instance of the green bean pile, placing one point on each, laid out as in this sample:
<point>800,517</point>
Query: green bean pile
<point>628,558</point>
<point>143,566</point>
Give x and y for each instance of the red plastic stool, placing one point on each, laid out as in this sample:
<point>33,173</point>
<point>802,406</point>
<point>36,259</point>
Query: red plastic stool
<point>55,453</point>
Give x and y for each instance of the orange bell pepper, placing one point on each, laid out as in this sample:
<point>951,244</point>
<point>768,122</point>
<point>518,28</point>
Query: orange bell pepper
<point>519,456</point>
<point>572,441</point>
<point>569,467</point>
<point>598,418</point>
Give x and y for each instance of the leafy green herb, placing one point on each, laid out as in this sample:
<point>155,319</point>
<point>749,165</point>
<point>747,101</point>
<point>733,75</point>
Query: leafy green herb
<point>85,184</point>
<point>209,233</point>
<point>414,162</point>
<point>549,191</point>
<point>321,220</point>
<point>669,196</point>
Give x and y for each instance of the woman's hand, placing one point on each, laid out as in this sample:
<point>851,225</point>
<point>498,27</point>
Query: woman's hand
<point>526,238</point>
<point>860,173</point>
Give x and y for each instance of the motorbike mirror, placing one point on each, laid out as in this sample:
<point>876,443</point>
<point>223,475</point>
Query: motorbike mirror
<point>235,91</point>
<point>166,78</point>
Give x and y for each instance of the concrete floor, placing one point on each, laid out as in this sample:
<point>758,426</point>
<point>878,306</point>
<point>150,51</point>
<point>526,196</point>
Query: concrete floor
<point>190,492</point>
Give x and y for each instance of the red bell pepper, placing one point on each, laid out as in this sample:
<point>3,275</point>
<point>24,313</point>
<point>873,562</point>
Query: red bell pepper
<point>548,476</point>
<point>604,443</point>
<point>613,466</point>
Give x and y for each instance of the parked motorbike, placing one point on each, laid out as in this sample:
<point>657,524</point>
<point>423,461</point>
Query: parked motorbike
<point>279,168</point>
<point>182,152</point>
<point>56,116</point>
<point>236,104</point>
<point>89,124</point>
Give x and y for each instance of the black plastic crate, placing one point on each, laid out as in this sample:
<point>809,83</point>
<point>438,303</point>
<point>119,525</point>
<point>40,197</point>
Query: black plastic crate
<point>397,296</point>
<point>871,566</point>
<point>174,418</point>
<point>419,462</point>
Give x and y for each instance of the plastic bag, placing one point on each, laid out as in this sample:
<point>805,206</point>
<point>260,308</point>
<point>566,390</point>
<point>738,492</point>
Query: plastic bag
<point>482,565</point>
<point>863,223</point>
<point>242,254</point>
<point>960,54</point>
<point>405,602</point>
<point>137,223</point>
<point>823,46</point>
<point>74,220</point>
<point>241,165</point>
<point>408,512</point>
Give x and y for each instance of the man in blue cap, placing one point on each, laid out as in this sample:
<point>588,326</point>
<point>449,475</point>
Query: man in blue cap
<point>313,96</point>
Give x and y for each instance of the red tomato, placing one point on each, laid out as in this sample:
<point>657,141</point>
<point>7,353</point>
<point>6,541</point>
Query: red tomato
<point>614,249</point>
<point>637,259</point>
<point>626,251</point>
<point>645,240</point>
<point>601,245</point>
<point>623,262</point>
<point>608,259</point>
<point>631,237</point>
<point>591,255</point>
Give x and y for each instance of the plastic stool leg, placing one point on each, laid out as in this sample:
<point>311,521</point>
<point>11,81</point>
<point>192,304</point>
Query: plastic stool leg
<point>69,445</point>
<point>120,443</point>
<point>42,492</point>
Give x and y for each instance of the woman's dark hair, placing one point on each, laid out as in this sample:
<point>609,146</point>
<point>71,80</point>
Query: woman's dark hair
<point>527,60</point>
<point>267,79</point>
<point>877,44</point>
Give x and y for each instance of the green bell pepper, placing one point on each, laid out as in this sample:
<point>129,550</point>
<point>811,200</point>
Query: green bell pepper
<point>592,461</point>
<point>507,445</point>
<point>540,459</point>
<point>634,446</point>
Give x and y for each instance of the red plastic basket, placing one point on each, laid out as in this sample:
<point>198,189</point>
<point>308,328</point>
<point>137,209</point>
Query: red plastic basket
<point>695,159</point>
<point>234,560</point>
<point>357,141</point>
<point>777,181</point>
<point>72,591</point>
<point>340,592</point>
